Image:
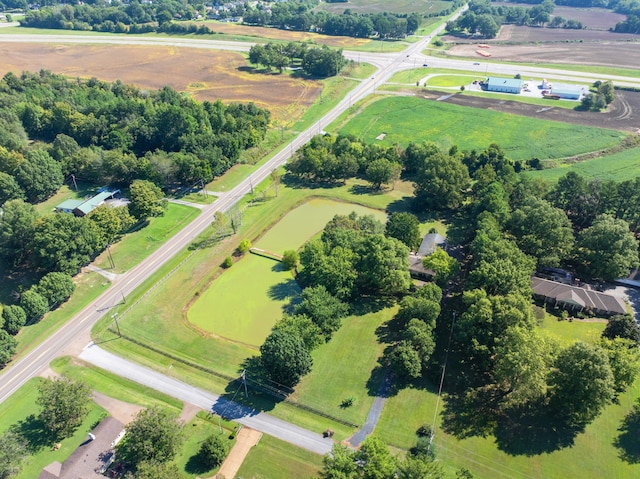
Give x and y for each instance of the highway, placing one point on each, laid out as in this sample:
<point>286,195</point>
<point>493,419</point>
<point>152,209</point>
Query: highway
<point>33,363</point>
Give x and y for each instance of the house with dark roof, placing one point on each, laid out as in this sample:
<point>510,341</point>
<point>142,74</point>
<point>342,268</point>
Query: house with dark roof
<point>574,298</point>
<point>417,269</point>
<point>430,243</point>
<point>92,458</point>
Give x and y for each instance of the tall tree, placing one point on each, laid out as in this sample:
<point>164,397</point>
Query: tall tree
<point>442,183</point>
<point>622,326</point>
<point>39,175</point>
<point>213,451</point>
<point>147,200</point>
<point>324,309</point>
<point>445,266</point>
<point>13,317</point>
<point>35,305</point>
<point>9,188</point>
<point>285,357</point>
<point>56,287</point>
<point>581,383</point>
<point>542,231</point>
<point>7,347</point>
<point>13,451</point>
<point>404,227</point>
<point>16,231</point>
<point>64,403</point>
<point>154,435</point>
<point>63,242</point>
<point>607,249</point>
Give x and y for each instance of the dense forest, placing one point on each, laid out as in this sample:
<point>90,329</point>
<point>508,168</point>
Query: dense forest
<point>53,129</point>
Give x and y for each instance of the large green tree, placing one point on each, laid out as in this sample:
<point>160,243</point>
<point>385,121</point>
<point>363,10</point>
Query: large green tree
<point>7,347</point>
<point>14,318</point>
<point>39,175</point>
<point>542,231</point>
<point>444,265</point>
<point>404,227</point>
<point>154,435</point>
<point>214,450</point>
<point>147,200</point>
<point>442,182</point>
<point>16,231</point>
<point>285,357</point>
<point>56,287</point>
<point>581,383</point>
<point>64,404</point>
<point>13,451</point>
<point>9,188</point>
<point>35,305</point>
<point>624,359</point>
<point>622,326</point>
<point>607,249</point>
<point>63,242</point>
<point>155,470</point>
<point>324,309</point>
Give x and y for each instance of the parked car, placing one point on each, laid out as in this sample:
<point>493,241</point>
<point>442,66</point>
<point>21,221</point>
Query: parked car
<point>425,65</point>
<point>476,63</point>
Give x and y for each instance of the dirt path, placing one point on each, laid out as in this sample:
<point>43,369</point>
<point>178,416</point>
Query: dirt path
<point>122,411</point>
<point>188,412</point>
<point>245,440</point>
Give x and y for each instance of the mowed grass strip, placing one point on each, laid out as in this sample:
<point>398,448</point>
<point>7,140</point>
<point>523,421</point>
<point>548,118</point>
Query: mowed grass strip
<point>620,166</point>
<point>275,459</point>
<point>136,246</point>
<point>406,119</point>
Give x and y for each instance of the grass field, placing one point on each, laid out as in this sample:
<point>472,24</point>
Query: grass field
<point>275,459</point>
<point>377,6</point>
<point>344,368</point>
<point>406,119</point>
<point>244,303</point>
<point>136,246</point>
<point>619,167</point>
<point>19,407</point>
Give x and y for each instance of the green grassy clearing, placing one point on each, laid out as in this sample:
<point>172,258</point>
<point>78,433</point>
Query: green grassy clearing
<point>380,46</point>
<point>618,167</point>
<point>19,407</point>
<point>112,385</point>
<point>136,246</point>
<point>343,368</point>
<point>198,197</point>
<point>449,80</point>
<point>334,89</point>
<point>244,303</point>
<point>358,70</point>
<point>275,459</point>
<point>567,332</point>
<point>406,119</point>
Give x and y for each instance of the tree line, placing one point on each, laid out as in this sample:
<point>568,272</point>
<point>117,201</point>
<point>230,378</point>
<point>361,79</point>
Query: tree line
<point>100,133</point>
<point>485,19</point>
<point>314,61</point>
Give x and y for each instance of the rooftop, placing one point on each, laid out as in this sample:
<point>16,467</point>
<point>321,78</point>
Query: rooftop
<point>583,298</point>
<point>504,82</point>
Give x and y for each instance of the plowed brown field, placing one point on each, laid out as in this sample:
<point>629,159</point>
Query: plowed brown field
<point>207,75</point>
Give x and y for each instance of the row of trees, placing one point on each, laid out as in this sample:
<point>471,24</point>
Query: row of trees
<point>485,19</point>
<point>603,95</point>
<point>115,133</point>
<point>314,61</point>
<point>130,17</point>
<point>301,16</point>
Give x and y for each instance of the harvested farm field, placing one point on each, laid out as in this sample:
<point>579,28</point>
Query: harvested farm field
<point>614,54</point>
<point>591,18</point>
<point>206,74</point>
<point>287,35</point>
<point>623,114</point>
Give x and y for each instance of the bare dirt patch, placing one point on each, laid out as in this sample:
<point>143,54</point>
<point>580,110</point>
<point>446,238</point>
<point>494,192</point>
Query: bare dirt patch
<point>123,411</point>
<point>277,34</point>
<point>245,440</point>
<point>623,113</point>
<point>614,54</point>
<point>207,75</point>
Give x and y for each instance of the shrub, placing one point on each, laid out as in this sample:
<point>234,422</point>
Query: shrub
<point>228,262</point>
<point>424,430</point>
<point>213,451</point>
<point>245,245</point>
<point>290,259</point>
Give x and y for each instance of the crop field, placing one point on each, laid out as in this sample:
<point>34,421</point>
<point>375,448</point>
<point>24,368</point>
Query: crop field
<point>285,35</point>
<point>376,6</point>
<point>406,119</point>
<point>591,18</point>
<point>618,167</point>
<point>205,74</point>
<point>244,303</point>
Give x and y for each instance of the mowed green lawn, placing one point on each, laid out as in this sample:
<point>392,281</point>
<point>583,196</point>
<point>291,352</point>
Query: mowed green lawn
<point>410,119</point>
<point>591,455</point>
<point>275,459</point>
<point>20,406</point>
<point>343,368</point>
<point>620,166</point>
<point>136,246</point>
<point>244,303</point>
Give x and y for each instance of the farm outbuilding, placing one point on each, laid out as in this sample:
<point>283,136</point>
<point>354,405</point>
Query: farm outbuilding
<point>567,92</point>
<point>504,85</point>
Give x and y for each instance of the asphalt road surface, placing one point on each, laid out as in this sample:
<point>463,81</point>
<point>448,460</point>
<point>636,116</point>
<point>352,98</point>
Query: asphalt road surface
<point>247,416</point>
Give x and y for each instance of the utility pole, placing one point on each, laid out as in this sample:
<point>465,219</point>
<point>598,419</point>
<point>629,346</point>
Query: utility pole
<point>75,185</point>
<point>124,301</point>
<point>111,262</point>
<point>244,382</point>
<point>115,319</point>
